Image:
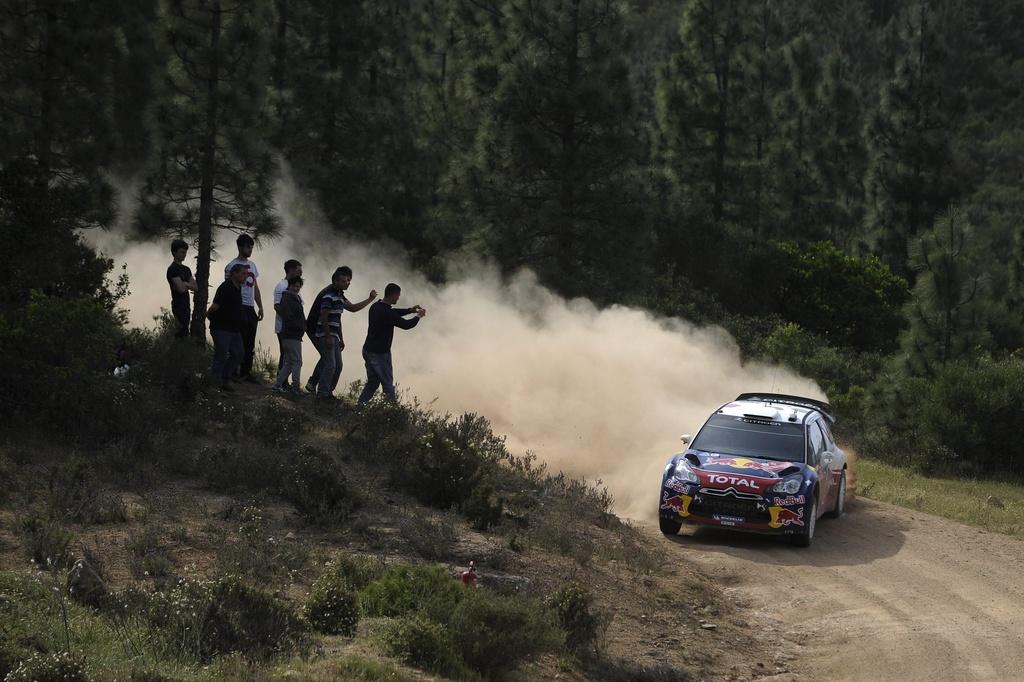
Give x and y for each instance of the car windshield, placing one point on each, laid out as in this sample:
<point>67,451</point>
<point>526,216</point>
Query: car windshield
<point>741,436</point>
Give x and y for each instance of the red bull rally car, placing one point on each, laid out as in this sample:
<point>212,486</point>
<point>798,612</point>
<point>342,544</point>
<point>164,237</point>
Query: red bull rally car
<point>765,463</point>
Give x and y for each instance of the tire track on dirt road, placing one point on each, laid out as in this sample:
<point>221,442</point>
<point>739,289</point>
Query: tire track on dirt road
<point>883,593</point>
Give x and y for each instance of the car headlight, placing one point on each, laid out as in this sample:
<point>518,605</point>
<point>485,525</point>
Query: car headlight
<point>789,485</point>
<point>684,473</point>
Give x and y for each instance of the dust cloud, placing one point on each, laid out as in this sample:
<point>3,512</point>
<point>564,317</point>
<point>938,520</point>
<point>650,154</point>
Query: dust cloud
<point>598,393</point>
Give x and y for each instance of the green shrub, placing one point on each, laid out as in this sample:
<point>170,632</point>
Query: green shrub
<point>8,473</point>
<point>233,468</point>
<point>853,301</point>
<point>842,373</point>
<point>313,482</point>
<point>405,589</point>
<point>75,495</point>
<point>451,461</point>
<point>205,619</point>
<point>431,538</point>
<point>483,508</point>
<point>357,571</point>
<point>383,430</point>
<point>56,667</point>
<point>495,632</point>
<point>968,410</point>
<point>944,424</point>
<point>86,582</point>
<point>45,541</point>
<point>355,668</point>
<point>258,555</point>
<point>421,643</point>
<point>149,675</point>
<point>332,606</point>
<point>583,500</point>
<point>176,368</point>
<point>10,655</point>
<point>276,422</point>
<point>148,555</point>
<point>64,345</point>
<point>264,363</point>
<point>572,606</point>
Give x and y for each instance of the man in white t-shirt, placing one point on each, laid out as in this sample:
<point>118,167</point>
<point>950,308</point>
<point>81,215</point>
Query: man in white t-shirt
<point>252,304</point>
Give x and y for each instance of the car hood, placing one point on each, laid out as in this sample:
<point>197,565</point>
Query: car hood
<point>742,474</point>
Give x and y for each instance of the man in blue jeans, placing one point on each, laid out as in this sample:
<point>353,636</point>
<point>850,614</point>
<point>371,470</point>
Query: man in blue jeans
<point>384,317</point>
<point>225,314</point>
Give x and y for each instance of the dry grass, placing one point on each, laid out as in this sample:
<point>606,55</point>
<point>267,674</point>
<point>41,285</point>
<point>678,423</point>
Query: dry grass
<point>964,500</point>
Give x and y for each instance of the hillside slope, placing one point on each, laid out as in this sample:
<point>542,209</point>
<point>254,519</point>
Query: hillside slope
<point>190,497</point>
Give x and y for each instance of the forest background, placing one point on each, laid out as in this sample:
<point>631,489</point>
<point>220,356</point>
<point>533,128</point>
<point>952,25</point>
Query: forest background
<point>837,183</point>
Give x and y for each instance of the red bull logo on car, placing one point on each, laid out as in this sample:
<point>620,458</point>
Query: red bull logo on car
<point>789,501</point>
<point>680,504</point>
<point>783,517</point>
<point>751,464</point>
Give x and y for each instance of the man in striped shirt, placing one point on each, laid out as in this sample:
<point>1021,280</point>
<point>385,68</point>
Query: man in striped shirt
<point>329,338</point>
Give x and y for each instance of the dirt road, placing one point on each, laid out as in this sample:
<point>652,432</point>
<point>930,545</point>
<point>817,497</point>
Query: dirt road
<point>884,593</point>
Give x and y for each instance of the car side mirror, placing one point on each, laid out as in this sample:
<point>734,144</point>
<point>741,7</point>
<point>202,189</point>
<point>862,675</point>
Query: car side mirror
<point>686,438</point>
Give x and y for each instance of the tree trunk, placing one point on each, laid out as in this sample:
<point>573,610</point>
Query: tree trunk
<point>566,255</point>
<point>207,172</point>
<point>47,99</point>
<point>333,62</point>
<point>280,69</point>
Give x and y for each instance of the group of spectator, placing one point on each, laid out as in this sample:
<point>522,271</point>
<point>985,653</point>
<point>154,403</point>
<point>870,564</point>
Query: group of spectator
<point>237,310</point>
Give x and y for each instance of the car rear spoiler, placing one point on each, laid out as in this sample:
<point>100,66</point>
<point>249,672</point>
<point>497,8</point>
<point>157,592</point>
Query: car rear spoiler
<point>822,407</point>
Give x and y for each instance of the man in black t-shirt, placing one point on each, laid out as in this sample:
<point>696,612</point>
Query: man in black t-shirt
<point>225,316</point>
<point>384,317</point>
<point>180,279</point>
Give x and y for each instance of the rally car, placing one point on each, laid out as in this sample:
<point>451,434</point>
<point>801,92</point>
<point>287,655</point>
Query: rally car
<point>764,462</point>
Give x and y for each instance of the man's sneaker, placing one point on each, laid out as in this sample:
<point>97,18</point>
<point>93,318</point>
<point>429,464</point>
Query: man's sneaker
<point>278,389</point>
<point>311,389</point>
<point>297,390</point>
<point>326,398</point>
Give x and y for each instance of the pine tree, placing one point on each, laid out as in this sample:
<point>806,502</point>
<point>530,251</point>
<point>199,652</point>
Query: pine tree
<point>66,71</point>
<point>763,63</point>
<point>68,114</point>
<point>949,312</point>
<point>702,136</point>
<point>796,109</point>
<point>551,176</point>
<point>839,157</point>
<point>910,177</point>
<point>354,130</point>
<point>212,167</point>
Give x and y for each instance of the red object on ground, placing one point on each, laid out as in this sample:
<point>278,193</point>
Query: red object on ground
<point>469,577</point>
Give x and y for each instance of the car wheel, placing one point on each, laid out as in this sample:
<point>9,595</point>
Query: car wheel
<point>840,507</point>
<point>804,538</point>
<point>669,527</point>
